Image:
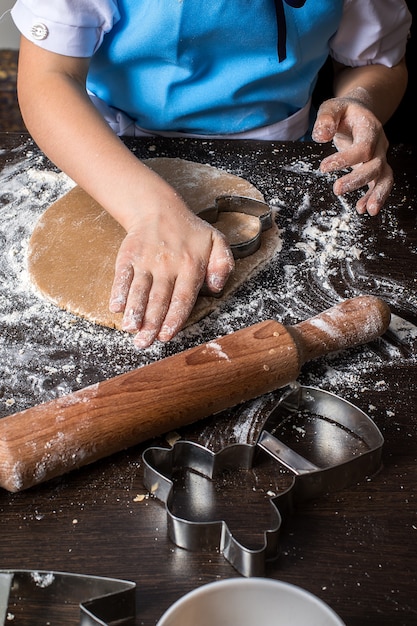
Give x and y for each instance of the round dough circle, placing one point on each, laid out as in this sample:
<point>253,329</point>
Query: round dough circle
<point>73,248</point>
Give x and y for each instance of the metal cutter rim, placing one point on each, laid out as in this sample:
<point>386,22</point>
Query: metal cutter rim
<point>308,480</point>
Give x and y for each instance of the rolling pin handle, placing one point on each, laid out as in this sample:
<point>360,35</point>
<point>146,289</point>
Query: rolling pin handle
<point>350,323</point>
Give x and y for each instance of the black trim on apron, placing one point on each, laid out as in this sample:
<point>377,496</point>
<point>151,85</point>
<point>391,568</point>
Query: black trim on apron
<point>282,24</point>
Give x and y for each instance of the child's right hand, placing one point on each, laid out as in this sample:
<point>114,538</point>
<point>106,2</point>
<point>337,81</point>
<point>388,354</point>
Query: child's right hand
<point>168,252</point>
<point>162,263</point>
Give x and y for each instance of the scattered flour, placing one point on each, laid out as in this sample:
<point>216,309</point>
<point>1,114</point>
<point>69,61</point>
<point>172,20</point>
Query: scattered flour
<point>43,579</point>
<point>47,353</point>
<point>215,348</point>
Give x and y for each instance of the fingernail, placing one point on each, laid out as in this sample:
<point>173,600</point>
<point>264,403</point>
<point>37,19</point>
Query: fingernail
<point>373,209</point>
<point>116,305</point>
<point>322,133</point>
<point>317,134</point>
<point>130,321</point>
<point>144,338</point>
<point>166,333</point>
<point>216,282</point>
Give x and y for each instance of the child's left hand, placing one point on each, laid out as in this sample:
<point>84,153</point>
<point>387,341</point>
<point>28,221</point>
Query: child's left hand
<point>362,145</point>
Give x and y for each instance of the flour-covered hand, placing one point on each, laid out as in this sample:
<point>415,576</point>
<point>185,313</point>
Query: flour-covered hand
<point>160,268</point>
<point>361,147</point>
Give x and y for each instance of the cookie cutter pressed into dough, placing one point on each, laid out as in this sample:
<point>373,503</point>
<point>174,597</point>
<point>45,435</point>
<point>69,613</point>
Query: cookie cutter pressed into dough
<point>100,601</point>
<point>309,479</point>
<point>248,206</point>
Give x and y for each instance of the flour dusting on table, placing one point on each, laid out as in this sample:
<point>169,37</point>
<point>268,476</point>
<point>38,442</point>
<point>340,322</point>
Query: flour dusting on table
<point>327,248</point>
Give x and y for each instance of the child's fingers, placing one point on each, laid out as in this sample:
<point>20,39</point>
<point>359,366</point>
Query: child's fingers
<point>168,307</point>
<point>376,196</point>
<point>152,316</point>
<point>220,264</point>
<point>327,121</point>
<point>120,288</point>
<point>182,302</point>
<point>156,286</point>
<point>137,301</point>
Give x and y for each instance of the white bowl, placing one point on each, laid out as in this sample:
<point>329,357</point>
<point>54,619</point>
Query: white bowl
<point>249,602</point>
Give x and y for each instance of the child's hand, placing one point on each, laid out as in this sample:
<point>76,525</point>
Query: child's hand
<point>160,268</point>
<point>362,145</point>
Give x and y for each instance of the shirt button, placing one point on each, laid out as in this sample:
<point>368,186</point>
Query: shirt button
<point>39,31</point>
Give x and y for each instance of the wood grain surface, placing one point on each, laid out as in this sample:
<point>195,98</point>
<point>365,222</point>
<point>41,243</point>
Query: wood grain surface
<point>357,548</point>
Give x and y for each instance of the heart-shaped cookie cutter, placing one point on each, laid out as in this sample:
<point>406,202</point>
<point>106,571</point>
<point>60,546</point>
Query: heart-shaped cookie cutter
<point>309,479</point>
<point>248,206</point>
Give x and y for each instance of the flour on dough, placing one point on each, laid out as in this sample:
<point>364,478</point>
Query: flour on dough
<point>73,248</point>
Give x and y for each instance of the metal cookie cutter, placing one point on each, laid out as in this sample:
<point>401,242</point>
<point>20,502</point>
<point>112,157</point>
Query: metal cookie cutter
<point>37,596</point>
<point>248,206</point>
<point>357,454</point>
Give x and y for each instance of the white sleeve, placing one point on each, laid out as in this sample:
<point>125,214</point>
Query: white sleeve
<point>372,31</point>
<point>69,27</point>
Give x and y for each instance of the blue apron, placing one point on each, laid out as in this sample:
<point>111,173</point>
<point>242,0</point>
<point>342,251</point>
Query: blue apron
<point>213,67</point>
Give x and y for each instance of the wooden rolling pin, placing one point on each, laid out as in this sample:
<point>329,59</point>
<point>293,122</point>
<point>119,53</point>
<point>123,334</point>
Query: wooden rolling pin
<point>50,439</point>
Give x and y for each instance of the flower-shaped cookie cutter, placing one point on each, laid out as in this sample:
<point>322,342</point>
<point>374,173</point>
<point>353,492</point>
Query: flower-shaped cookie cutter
<point>308,478</point>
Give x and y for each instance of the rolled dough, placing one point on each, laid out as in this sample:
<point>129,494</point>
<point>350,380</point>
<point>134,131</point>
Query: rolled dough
<point>73,247</point>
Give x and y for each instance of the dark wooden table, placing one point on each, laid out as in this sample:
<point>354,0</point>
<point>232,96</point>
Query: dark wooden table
<point>356,548</point>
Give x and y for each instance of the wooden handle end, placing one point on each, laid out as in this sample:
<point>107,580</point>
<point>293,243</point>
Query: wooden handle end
<point>351,323</point>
